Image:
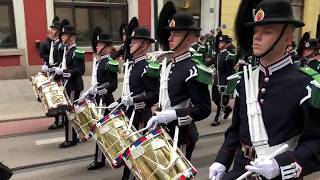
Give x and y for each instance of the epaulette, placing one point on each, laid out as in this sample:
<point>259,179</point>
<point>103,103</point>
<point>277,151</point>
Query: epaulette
<point>197,58</point>
<point>112,65</point>
<point>231,57</point>
<point>315,92</point>
<point>79,53</point>
<point>204,74</point>
<point>232,82</point>
<point>153,70</point>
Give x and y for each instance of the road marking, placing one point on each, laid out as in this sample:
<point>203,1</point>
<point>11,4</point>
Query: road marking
<point>49,141</point>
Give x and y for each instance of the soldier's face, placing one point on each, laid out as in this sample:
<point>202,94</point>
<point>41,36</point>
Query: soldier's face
<point>135,45</point>
<point>175,38</point>
<point>100,46</point>
<point>318,57</point>
<point>54,32</point>
<point>65,38</point>
<point>308,52</point>
<point>221,45</point>
<point>265,36</point>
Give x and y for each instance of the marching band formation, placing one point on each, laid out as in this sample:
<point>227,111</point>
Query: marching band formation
<point>274,132</point>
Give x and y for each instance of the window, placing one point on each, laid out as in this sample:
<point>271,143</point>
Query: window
<point>7,27</point>
<point>191,6</point>
<point>85,15</point>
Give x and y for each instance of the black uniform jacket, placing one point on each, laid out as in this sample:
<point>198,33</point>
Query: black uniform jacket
<point>314,64</point>
<point>224,68</point>
<point>76,67</point>
<point>144,89</point>
<point>284,94</point>
<point>104,75</point>
<point>182,85</point>
<point>44,51</point>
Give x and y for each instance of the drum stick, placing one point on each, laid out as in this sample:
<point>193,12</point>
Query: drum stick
<point>174,157</point>
<point>100,109</point>
<point>131,119</point>
<point>115,108</point>
<point>274,154</point>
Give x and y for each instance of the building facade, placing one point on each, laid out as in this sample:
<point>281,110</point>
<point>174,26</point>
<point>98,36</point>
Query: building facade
<point>25,22</point>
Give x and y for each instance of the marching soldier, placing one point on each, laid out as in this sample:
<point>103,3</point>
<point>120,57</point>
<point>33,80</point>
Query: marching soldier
<point>309,50</point>
<point>288,120</point>
<point>143,82</point>
<point>54,37</point>
<point>107,79</point>
<point>188,93</point>
<point>71,70</point>
<point>224,67</point>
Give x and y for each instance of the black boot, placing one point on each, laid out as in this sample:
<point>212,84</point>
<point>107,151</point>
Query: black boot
<point>215,122</point>
<point>95,165</point>
<point>67,144</point>
<point>227,112</point>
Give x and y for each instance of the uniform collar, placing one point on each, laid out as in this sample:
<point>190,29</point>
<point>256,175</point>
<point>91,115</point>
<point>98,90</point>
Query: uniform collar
<point>56,41</point>
<point>104,56</point>
<point>138,59</point>
<point>281,63</point>
<point>182,57</point>
<point>223,50</point>
<point>71,46</point>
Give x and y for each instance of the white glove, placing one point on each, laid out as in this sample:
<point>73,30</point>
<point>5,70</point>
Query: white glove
<point>163,117</point>
<point>93,91</point>
<point>216,171</point>
<point>103,91</point>
<point>127,100</point>
<point>268,168</point>
<point>66,75</point>
<point>44,68</point>
<point>112,106</point>
<point>59,71</point>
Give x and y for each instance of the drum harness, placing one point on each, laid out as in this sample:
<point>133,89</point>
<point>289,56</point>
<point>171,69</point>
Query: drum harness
<point>257,129</point>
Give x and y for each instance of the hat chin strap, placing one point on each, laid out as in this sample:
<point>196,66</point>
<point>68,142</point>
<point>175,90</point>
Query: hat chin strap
<point>275,43</point>
<point>105,45</point>
<point>184,38</point>
<point>68,38</point>
<point>138,47</point>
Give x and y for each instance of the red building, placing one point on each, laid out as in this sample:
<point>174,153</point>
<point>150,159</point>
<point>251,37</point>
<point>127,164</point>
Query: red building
<point>24,22</point>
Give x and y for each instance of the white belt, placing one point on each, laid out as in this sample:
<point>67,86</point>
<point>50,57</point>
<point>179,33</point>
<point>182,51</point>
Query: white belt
<point>292,143</point>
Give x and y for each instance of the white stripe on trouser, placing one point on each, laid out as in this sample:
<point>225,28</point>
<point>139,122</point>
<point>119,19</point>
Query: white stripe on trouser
<point>70,134</point>
<point>183,149</point>
<point>99,155</point>
<point>60,119</point>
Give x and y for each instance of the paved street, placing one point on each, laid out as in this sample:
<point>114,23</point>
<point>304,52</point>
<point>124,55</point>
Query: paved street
<point>32,151</point>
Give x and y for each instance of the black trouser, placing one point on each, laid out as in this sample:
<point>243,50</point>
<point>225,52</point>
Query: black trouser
<point>107,100</point>
<point>71,134</point>
<point>216,97</point>
<point>187,150</point>
<point>59,120</point>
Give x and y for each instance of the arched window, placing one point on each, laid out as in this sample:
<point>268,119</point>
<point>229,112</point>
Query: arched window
<point>85,15</point>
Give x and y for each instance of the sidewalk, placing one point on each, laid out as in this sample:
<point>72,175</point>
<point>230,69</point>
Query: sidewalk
<point>17,99</point>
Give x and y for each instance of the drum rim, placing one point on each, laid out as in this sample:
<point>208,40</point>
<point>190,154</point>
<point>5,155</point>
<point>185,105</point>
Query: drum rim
<point>158,132</point>
<point>106,119</point>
